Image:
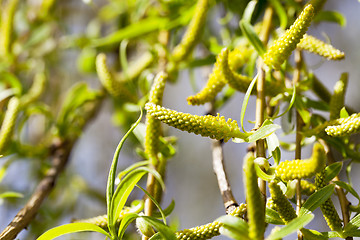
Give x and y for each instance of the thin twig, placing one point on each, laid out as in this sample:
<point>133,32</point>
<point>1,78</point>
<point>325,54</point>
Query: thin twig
<point>60,151</point>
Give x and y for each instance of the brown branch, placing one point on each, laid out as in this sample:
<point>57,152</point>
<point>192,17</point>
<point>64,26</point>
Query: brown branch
<point>60,151</point>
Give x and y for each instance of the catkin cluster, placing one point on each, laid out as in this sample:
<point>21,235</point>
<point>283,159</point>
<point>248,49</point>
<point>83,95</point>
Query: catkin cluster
<point>344,126</point>
<point>327,208</point>
<point>314,45</point>
<point>338,98</point>
<point>206,126</point>
<point>281,203</point>
<point>239,211</point>
<point>281,49</point>
<point>206,231</point>
<point>297,169</point>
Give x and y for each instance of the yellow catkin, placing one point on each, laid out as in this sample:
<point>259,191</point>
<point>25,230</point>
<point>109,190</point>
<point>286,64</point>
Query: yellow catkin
<point>6,26</point>
<point>327,208</point>
<point>281,203</point>
<point>114,87</point>
<point>206,231</point>
<point>317,4</point>
<point>192,33</point>
<point>239,57</point>
<point>213,86</point>
<point>338,98</point>
<point>239,211</point>
<point>206,126</point>
<point>345,126</point>
<point>35,91</point>
<point>314,45</point>
<point>281,49</point>
<point>307,188</point>
<point>153,126</point>
<point>8,123</point>
<point>297,169</point>
<point>254,200</point>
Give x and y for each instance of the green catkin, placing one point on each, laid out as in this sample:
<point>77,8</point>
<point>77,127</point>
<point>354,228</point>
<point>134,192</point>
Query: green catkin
<point>281,49</point>
<point>207,126</point>
<point>297,169</point>
<point>240,82</point>
<point>327,208</point>
<point>8,123</point>
<point>192,34</point>
<point>314,45</point>
<point>114,87</point>
<point>239,211</point>
<point>345,126</point>
<point>206,231</point>
<point>338,98</point>
<point>255,203</point>
<point>153,126</point>
<point>6,26</point>
<point>307,188</point>
<point>213,86</point>
<point>35,91</point>
<point>239,57</point>
<point>281,203</point>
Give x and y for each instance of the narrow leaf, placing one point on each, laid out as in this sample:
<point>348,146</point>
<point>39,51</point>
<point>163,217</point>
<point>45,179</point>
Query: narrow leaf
<point>331,16</point>
<point>291,227</point>
<point>164,230</point>
<point>280,11</point>
<point>310,234</point>
<point>332,171</point>
<point>71,228</point>
<point>261,174</point>
<point>246,101</point>
<point>125,223</point>
<point>316,199</point>
<point>11,195</point>
<point>292,101</point>
<point>249,10</point>
<point>253,38</point>
<point>348,188</point>
<point>273,217</point>
<point>234,227</point>
<point>265,130</point>
<point>353,224</point>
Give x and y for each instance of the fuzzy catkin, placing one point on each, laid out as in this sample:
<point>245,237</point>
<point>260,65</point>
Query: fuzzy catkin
<point>255,203</point>
<point>281,203</point>
<point>344,126</point>
<point>206,231</point>
<point>8,124</point>
<point>281,49</point>
<point>327,208</point>
<point>314,45</point>
<point>114,87</point>
<point>213,86</point>
<point>192,33</point>
<point>338,98</point>
<point>207,126</point>
<point>297,169</point>
<point>6,26</point>
<point>239,211</point>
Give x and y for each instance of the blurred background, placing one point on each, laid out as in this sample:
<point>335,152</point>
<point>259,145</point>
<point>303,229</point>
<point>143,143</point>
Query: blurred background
<point>80,191</point>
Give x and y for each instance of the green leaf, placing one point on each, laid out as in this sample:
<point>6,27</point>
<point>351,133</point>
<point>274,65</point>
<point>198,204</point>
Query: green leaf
<point>348,188</point>
<point>316,199</point>
<point>167,211</point>
<point>265,130</point>
<point>291,227</point>
<point>344,113</point>
<point>112,172</point>
<point>164,230</point>
<point>261,174</point>
<point>131,168</point>
<point>246,100</point>
<point>292,101</point>
<point>332,171</point>
<point>253,38</point>
<point>304,113</point>
<point>273,217</point>
<point>280,12</point>
<point>331,16</point>
<point>71,228</point>
<point>353,233</point>
<point>353,224</point>
<point>310,234</point>
<point>125,223</point>
<point>249,10</point>
<point>11,195</point>
<point>234,227</point>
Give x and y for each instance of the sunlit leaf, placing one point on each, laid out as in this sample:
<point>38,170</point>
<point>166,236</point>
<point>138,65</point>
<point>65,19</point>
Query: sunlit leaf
<point>273,217</point>
<point>234,227</point>
<point>316,199</point>
<point>253,38</point>
<point>332,171</point>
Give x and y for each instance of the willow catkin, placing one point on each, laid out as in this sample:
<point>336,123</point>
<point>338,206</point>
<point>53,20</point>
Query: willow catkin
<point>254,200</point>
<point>281,203</point>
<point>338,98</point>
<point>297,169</point>
<point>6,26</point>
<point>327,208</point>
<point>344,126</point>
<point>316,46</point>
<point>281,49</point>
<point>192,33</point>
<point>206,231</point>
<point>307,188</point>
<point>8,124</point>
<point>206,126</point>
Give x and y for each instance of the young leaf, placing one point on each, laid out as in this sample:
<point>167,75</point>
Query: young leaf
<point>316,199</point>
<point>249,10</point>
<point>348,188</point>
<point>234,227</point>
<point>261,174</point>
<point>291,227</point>
<point>292,101</point>
<point>331,16</point>
<point>273,217</point>
<point>265,130</point>
<point>71,228</point>
<point>246,100</point>
<point>253,38</point>
<point>310,234</point>
<point>280,12</point>
<point>332,171</point>
<point>353,224</point>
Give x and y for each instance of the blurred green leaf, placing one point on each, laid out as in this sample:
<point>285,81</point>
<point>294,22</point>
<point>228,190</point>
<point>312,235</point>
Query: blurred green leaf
<point>331,16</point>
<point>280,11</point>
<point>332,171</point>
<point>246,101</point>
<point>353,224</point>
<point>253,38</point>
<point>11,195</point>
<point>348,188</point>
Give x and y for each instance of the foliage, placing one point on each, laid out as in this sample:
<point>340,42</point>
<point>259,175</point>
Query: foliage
<point>154,41</point>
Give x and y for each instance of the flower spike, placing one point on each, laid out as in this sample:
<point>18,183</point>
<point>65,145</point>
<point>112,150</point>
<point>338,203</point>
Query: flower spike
<point>206,231</point>
<point>281,49</point>
<point>338,98</point>
<point>193,32</point>
<point>281,204</point>
<point>297,169</point>
<point>206,126</point>
<point>345,126</point>
<point>314,45</point>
